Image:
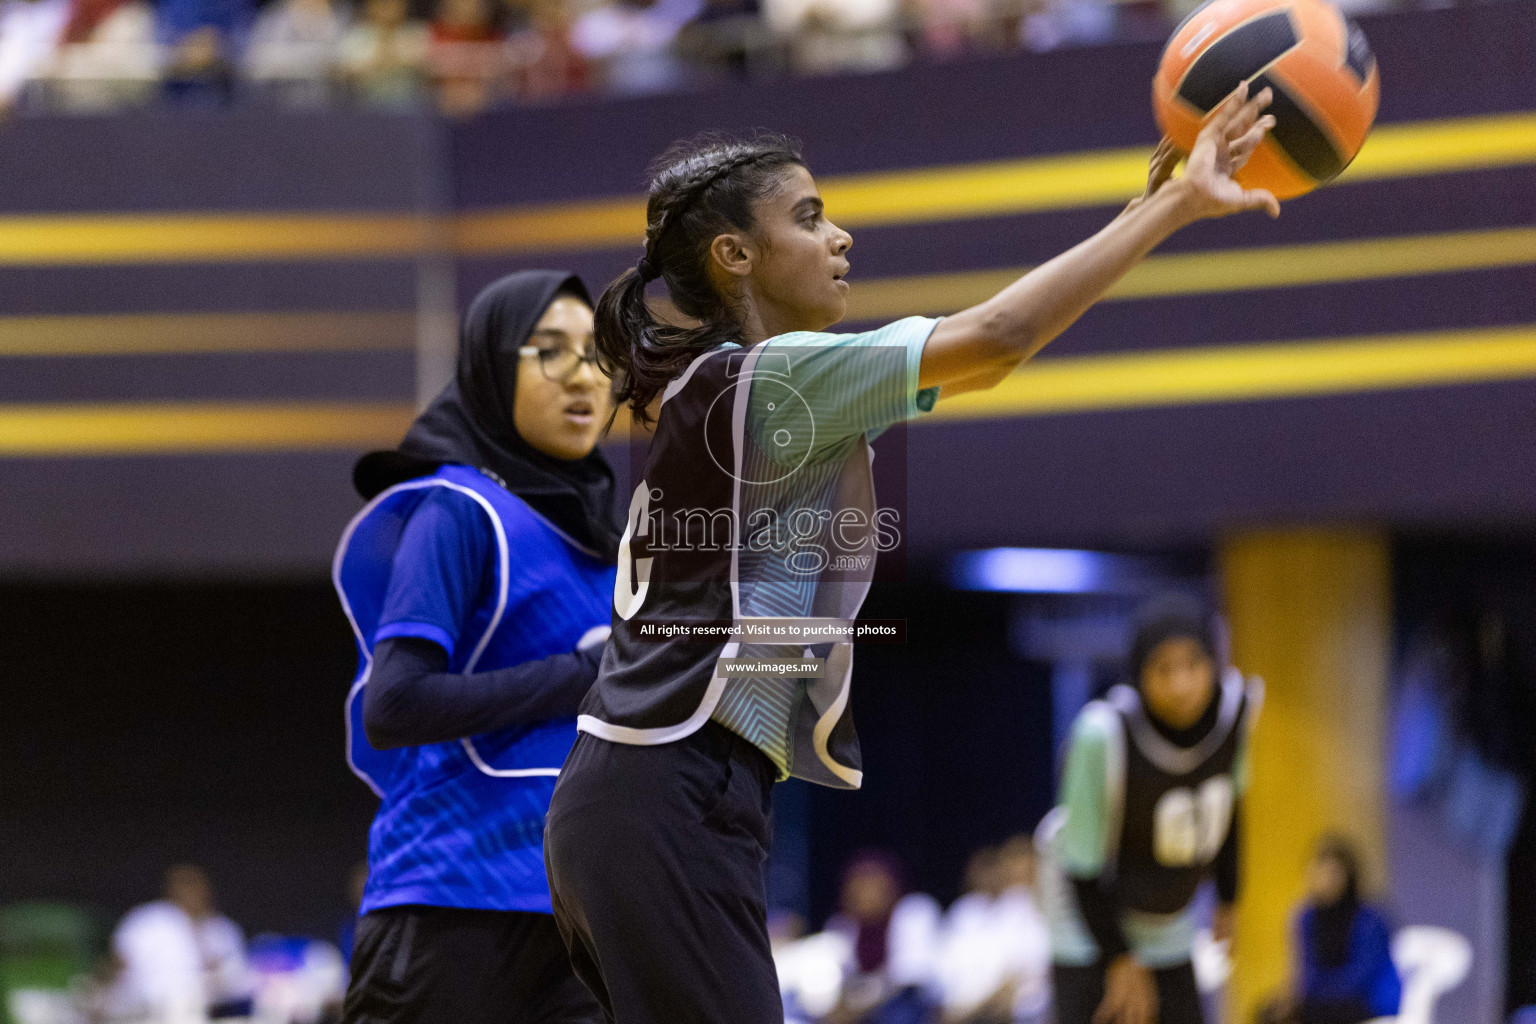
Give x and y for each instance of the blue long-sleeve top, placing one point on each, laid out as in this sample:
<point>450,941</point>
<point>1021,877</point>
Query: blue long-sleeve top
<point>1367,974</point>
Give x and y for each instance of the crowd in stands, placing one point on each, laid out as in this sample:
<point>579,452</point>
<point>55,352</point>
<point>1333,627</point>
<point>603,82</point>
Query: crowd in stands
<point>464,55</point>
<point>173,960</point>
<point>888,955</point>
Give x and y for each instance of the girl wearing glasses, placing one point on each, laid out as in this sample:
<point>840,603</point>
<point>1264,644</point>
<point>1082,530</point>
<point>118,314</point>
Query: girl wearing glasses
<point>478,582</point>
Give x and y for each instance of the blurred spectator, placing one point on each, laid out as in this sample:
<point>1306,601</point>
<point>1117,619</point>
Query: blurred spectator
<point>298,980</point>
<point>180,18</point>
<point>199,70</point>
<point>1049,24</point>
<point>949,28</point>
<point>995,959</point>
<point>203,37</point>
<point>784,927</point>
<point>544,61</point>
<point>29,33</point>
<point>631,42</point>
<point>839,35</point>
<point>1344,946</point>
<point>107,57</point>
<point>294,49</point>
<point>893,936</point>
<point>728,36</point>
<point>384,56</point>
<point>466,54</point>
<point>179,957</point>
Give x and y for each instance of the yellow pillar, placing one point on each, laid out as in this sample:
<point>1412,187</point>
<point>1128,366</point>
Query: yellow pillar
<point>1310,613</point>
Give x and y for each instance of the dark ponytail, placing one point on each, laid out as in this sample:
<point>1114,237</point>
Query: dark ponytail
<point>699,190</point>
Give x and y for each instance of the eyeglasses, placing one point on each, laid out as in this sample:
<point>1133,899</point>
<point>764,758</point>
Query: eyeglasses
<point>559,365</point>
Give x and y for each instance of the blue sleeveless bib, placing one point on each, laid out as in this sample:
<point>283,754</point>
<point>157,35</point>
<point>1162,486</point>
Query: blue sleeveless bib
<point>461,824</point>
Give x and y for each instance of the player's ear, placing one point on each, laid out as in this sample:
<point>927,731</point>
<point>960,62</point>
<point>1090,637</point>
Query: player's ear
<point>733,254</point>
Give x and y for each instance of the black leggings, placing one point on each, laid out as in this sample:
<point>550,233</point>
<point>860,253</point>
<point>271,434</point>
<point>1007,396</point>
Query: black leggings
<point>655,863</point>
<point>1080,990</point>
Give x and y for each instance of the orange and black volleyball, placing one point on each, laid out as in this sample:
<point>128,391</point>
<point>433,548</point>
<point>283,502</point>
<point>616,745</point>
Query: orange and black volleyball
<point>1316,61</point>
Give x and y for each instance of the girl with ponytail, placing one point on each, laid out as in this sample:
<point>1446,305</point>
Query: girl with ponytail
<point>681,228</point>
<point>751,538</point>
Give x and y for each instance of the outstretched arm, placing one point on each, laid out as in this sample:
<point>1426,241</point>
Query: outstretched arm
<point>978,347</point>
<point>411,697</point>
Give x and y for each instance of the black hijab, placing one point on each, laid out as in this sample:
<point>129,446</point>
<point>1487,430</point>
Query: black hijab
<point>1333,924</point>
<point>471,423</point>
<point>1166,617</point>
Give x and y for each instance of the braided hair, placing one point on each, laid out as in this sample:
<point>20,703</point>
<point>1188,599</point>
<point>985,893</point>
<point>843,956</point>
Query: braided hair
<point>699,190</point>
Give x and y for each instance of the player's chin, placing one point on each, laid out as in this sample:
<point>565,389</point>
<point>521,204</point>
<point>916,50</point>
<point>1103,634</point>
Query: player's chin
<point>837,304</point>
<point>575,442</point>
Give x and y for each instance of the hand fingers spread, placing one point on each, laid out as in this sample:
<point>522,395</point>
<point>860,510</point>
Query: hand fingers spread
<point>1249,112</point>
<point>1221,119</point>
<point>1240,149</point>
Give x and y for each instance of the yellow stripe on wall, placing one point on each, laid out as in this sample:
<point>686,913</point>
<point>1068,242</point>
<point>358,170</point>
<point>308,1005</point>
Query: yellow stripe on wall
<point>1440,147</point>
<point>163,429</point>
<point>1006,187</point>
<point>1252,372</point>
<point>203,238</point>
<point>1070,385</point>
<point>1225,270</point>
<point>881,299</point>
<point>986,190</point>
<point>183,333</point>
<point>959,192</point>
<point>556,227</point>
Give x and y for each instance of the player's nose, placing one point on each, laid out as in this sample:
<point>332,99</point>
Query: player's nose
<point>842,241</point>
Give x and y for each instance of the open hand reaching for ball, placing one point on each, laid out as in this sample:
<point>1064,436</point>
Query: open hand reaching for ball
<point>1223,146</point>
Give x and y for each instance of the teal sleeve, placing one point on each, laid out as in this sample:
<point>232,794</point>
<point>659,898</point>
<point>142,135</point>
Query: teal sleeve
<point>812,393</point>
<point>1241,770</point>
<point>1083,842</point>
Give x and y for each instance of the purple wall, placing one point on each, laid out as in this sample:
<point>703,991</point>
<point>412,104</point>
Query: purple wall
<point>1447,457</point>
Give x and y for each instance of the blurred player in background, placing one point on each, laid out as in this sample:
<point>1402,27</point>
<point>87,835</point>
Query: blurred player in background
<point>1344,969</point>
<point>478,582</point>
<point>1149,808</point>
<point>660,823</point>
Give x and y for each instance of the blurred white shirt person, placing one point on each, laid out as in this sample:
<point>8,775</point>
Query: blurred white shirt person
<point>107,56</point>
<point>294,49</point>
<point>839,35</point>
<point>632,41</point>
<point>891,940</point>
<point>384,55</point>
<point>29,35</point>
<point>179,956</point>
<point>994,958</point>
